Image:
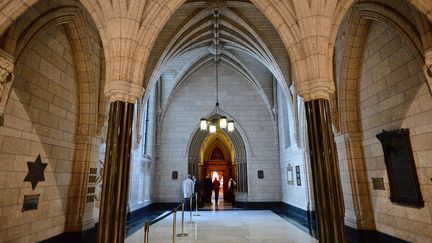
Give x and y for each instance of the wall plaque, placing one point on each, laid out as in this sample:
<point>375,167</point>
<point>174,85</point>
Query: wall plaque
<point>90,198</point>
<point>92,179</point>
<point>93,170</point>
<point>378,183</point>
<point>401,170</point>
<point>298,175</point>
<point>260,174</point>
<point>174,175</point>
<point>290,177</point>
<point>30,202</point>
<point>91,189</point>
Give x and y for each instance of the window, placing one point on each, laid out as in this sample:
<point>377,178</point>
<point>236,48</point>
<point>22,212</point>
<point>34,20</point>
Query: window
<point>145,124</point>
<point>285,121</point>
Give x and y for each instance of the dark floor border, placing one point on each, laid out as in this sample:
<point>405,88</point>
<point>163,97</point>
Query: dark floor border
<point>370,236</point>
<point>281,208</point>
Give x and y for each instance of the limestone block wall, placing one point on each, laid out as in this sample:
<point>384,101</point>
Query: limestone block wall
<point>293,155</point>
<point>196,99</point>
<point>393,95</point>
<point>41,118</point>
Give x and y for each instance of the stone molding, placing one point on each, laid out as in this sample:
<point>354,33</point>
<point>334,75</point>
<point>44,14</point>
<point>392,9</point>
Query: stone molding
<point>6,78</point>
<point>428,68</point>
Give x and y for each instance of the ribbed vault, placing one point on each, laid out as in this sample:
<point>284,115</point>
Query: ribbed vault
<point>182,48</point>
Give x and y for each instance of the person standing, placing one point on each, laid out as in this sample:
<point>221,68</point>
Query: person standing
<point>187,187</point>
<point>216,187</point>
<point>197,191</point>
<point>231,193</point>
<point>207,189</point>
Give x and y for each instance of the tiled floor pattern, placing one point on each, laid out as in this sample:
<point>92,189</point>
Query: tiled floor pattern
<point>226,226</point>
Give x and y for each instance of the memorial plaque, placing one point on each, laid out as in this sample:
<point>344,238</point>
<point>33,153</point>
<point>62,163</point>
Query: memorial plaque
<point>401,170</point>
<point>298,175</point>
<point>91,190</point>
<point>92,178</point>
<point>90,198</point>
<point>174,175</point>
<point>260,174</point>
<point>290,177</point>
<point>30,202</point>
<point>378,183</point>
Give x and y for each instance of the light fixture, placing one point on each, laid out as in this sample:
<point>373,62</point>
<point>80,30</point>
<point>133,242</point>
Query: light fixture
<point>217,118</point>
<point>230,126</point>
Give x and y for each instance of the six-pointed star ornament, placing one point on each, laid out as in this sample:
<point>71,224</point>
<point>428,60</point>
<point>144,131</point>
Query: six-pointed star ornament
<point>36,172</point>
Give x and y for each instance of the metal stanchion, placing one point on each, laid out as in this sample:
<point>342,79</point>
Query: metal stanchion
<point>182,234</point>
<point>174,225</point>
<point>196,205</point>
<point>146,232</point>
<point>190,210</point>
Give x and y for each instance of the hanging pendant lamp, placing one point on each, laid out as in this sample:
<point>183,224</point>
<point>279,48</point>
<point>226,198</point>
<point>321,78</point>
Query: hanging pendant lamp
<point>217,118</point>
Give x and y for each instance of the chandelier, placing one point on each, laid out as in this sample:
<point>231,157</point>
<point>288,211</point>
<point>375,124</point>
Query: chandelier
<point>217,118</point>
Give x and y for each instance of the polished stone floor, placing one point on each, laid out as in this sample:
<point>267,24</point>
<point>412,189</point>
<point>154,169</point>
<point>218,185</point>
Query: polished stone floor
<point>226,226</point>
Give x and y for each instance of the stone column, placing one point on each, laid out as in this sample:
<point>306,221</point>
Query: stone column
<point>329,203</point>
<point>116,173</point>
<point>6,78</point>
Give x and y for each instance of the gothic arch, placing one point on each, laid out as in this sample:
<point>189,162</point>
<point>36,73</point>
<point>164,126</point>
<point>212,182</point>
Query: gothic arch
<point>357,29</point>
<point>240,154</point>
<point>75,25</point>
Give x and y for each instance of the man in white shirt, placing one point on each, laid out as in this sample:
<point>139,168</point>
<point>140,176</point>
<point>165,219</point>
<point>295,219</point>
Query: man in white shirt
<point>188,188</point>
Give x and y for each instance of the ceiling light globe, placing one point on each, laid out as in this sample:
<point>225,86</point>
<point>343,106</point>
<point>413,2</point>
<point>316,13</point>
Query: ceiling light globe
<point>223,122</point>
<point>203,124</point>
<point>230,126</point>
<point>212,128</point>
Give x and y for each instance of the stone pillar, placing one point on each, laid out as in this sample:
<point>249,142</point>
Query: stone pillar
<point>358,206</point>
<point>6,78</point>
<point>329,203</point>
<point>116,173</point>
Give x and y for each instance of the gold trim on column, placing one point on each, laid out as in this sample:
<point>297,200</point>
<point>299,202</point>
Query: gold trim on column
<point>116,173</point>
<point>329,203</point>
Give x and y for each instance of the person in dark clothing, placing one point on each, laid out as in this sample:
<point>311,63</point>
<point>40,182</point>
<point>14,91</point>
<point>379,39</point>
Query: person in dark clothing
<point>216,187</point>
<point>231,193</point>
<point>207,189</point>
<point>197,189</point>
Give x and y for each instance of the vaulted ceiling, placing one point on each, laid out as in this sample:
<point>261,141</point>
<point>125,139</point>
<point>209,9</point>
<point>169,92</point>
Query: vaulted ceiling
<point>251,45</point>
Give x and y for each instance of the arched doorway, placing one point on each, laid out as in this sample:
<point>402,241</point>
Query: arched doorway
<point>223,153</point>
<point>218,161</point>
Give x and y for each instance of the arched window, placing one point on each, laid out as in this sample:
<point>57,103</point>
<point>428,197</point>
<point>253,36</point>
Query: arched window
<point>145,125</point>
<point>285,120</point>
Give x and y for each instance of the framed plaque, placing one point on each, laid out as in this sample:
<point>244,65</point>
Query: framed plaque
<point>260,174</point>
<point>298,175</point>
<point>174,175</point>
<point>290,177</point>
<point>30,202</point>
<point>401,169</point>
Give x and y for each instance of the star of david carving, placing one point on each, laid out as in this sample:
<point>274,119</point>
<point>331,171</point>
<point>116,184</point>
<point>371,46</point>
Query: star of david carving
<point>36,171</point>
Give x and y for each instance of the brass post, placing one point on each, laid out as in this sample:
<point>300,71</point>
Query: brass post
<point>190,210</point>
<point>146,232</point>
<point>174,225</point>
<point>116,173</point>
<point>329,204</point>
<point>182,234</point>
<point>196,205</point>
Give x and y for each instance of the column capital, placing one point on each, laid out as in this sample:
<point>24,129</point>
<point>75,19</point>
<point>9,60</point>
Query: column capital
<point>314,76</point>
<point>316,88</point>
<point>119,90</point>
